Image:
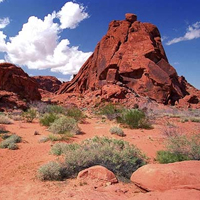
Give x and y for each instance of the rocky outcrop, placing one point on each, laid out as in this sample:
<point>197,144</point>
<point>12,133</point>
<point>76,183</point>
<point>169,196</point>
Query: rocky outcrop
<point>48,83</point>
<point>16,87</point>
<point>131,57</point>
<point>161,177</point>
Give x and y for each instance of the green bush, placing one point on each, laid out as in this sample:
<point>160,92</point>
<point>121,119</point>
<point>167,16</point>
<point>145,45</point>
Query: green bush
<point>117,131</point>
<point>48,118</point>
<point>181,148</point>
<point>75,113</point>
<point>62,148</point>
<point>30,115</point>
<point>12,146</point>
<point>50,171</point>
<point>56,109</point>
<point>134,118</point>
<point>111,111</point>
<point>168,157</point>
<point>10,141</point>
<point>116,155</point>
<point>5,120</point>
<point>63,125</point>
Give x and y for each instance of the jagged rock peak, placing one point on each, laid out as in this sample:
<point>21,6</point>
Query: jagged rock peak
<point>131,17</point>
<point>130,58</point>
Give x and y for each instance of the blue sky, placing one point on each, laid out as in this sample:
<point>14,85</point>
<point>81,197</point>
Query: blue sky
<point>55,37</point>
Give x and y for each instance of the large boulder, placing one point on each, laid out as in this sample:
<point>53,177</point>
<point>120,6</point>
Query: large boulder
<point>161,177</point>
<point>99,173</point>
<point>130,55</point>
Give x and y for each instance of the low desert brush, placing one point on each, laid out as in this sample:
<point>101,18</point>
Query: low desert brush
<point>10,141</point>
<point>180,148</point>
<point>29,115</point>
<point>116,155</point>
<point>134,118</point>
<point>63,125</point>
<point>117,131</point>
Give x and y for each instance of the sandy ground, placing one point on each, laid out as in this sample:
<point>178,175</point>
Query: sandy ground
<point>18,169</point>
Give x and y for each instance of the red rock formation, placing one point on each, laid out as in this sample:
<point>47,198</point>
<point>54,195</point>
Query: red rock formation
<point>48,83</point>
<point>131,57</point>
<point>16,87</point>
<point>161,177</point>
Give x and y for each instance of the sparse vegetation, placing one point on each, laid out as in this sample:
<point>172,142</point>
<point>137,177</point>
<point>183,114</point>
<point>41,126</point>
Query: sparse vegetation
<point>10,141</point>
<point>48,118</point>
<point>116,155</point>
<point>62,148</point>
<point>117,131</point>
<point>51,171</point>
<point>134,118</point>
<point>5,120</point>
<point>75,113</point>
<point>3,129</point>
<point>63,125</point>
<point>180,148</point>
<point>56,109</point>
<point>111,111</point>
<point>30,115</point>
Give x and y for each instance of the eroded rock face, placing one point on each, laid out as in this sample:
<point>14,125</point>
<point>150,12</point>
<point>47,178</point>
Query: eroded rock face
<point>48,83</point>
<point>16,87</point>
<point>161,177</point>
<point>130,55</point>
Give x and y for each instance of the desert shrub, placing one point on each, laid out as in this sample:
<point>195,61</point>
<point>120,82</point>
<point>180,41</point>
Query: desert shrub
<point>5,120</point>
<point>134,118</point>
<point>195,119</point>
<point>30,115</point>
<point>50,171</point>
<point>5,136</point>
<point>9,141</point>
<point>55,109</point>
<point>43,139</point>
<point>168,157</point>
<point>48,118</point>
<point>3,130</point>
<point>181,147</point>
<point>12,146</point>
<point>111,111</point>
<point>116,155</point>
<point>62,148</point>
<point>117,131</point>
<point>75,113</point>
<point>63,125</point>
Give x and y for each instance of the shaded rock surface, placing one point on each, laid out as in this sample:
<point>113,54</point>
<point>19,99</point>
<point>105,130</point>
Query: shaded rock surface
<point>16,87</point>
<point>161,177</point>
<point>131,56</point>
<point>48,83</point>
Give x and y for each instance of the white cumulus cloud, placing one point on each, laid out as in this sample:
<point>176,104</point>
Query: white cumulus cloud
<point>193,32</point>
<point>4,22</point>
<point>38,44</point>
<point>1,1</point>
<point>71,14</point>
